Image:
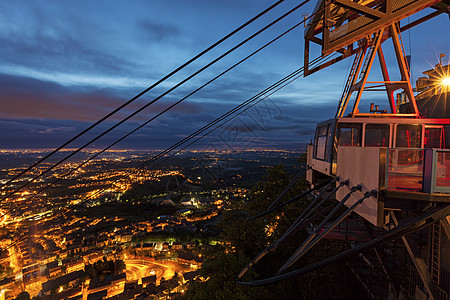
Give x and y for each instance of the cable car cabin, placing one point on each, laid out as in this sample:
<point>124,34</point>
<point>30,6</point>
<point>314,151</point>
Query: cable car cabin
<point>406,160</point>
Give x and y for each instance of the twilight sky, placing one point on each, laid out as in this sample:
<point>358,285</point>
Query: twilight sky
<point>64,65</point>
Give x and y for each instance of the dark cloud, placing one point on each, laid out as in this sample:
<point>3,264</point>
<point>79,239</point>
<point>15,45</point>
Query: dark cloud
<point>33,133</point>
<point>30,98</point>
<point>160,134</point>
<point>70,65</point>
<point>157,32</point>
<point>61,52</point>
<point>55,130</point>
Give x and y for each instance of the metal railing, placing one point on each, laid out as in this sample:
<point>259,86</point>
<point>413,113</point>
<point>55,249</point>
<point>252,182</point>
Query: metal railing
<point>405,169</point>
<point>422,170</point>
<point>440,172</point>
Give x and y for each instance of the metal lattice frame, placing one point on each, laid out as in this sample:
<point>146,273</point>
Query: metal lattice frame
<point>340,25</point>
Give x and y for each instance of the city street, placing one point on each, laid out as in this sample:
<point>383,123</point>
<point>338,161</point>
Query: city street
<point>136,269</point>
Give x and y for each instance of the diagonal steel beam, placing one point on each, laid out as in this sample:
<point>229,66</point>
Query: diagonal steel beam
<point>411,225</point>
<point>372,13</point>
<point>419,264</point>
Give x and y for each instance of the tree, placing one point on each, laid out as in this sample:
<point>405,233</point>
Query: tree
<point>119,266</point>
<point>244,239</point>
<point>221,269</point>
<point>23,296</point>
<point>90,271</point>
<point>2,270</point>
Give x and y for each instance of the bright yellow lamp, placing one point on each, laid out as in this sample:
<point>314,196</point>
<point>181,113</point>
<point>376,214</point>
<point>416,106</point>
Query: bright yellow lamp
<point>446,81</point>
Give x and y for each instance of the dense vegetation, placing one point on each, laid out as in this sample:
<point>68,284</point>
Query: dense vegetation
<point>243,239</point>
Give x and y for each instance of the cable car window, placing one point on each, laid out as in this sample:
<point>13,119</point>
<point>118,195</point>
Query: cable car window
<point>446,137</point>
<point>434,137</point>
<point>408,136</point>
<point>349,135</point>
<point>376,135</point>
<point>323,130</point>
<point>321,142</point>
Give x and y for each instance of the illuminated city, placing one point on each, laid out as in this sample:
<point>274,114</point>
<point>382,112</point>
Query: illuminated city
<point>203,150</point>
<point>109,230</point>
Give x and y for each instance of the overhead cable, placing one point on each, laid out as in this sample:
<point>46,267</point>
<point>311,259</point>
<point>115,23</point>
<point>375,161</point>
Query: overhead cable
<point>154,117</point>
<point>146,90</point>
<point>267,92</point>
<point>156,99</point>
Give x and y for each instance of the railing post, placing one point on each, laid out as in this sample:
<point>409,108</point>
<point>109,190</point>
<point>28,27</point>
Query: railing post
<point>429,169</point>
<point>387,168</point>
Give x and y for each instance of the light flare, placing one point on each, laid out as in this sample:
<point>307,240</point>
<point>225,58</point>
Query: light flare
<point>445,81</point>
